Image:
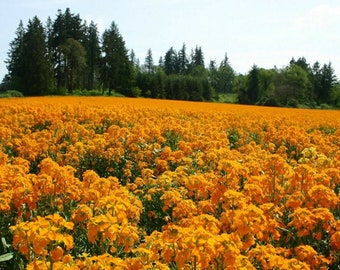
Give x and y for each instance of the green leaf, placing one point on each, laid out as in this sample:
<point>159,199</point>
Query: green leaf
<point>6,257</point>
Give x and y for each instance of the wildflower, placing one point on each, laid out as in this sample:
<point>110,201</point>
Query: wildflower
<point>335,241</point>
<point>303,221</point>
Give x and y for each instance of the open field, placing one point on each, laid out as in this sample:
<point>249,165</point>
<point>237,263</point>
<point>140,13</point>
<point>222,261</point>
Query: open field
<point>119,183</point>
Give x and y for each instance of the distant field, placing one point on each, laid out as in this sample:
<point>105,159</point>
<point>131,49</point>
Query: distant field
<point>124,183</point>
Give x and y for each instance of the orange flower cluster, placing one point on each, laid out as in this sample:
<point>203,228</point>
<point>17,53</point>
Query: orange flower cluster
<point>117,183</point>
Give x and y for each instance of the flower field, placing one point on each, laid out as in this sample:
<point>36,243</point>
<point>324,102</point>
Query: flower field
<point>118,183</point>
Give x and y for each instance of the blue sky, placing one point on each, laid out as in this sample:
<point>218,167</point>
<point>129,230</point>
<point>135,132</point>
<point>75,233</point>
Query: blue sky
<point>267,33</point>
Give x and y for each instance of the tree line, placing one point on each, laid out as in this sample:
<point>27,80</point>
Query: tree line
<point>67,54</point>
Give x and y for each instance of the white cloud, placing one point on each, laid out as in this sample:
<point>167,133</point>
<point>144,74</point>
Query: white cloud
<point>319,16</point>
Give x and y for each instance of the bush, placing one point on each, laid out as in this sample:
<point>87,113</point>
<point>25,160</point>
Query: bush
<point>270,102</point>
<point>11,93</point>
<point>136,91</point>
<point>293,103</point>
<point>325,106</point>
<point>62,91</point>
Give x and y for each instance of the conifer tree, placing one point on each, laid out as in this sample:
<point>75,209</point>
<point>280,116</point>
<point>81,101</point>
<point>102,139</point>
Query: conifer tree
<point>14,62</point>
<point>149,66</point>
<point>183,61</point>
<point>37,76</point>
<point>65,26</point>
<point>92,48</point>
<point>116,72</point>
<point>170,62</point>
<point>73,55</point>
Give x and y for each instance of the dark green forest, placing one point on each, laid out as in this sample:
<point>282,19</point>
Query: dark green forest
<point>68,56</point>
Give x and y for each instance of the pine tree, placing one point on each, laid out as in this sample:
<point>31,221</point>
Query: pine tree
<point>65,26</point>
<point>14,62</point>
<point>116,69</point>
<point>197,58</point>
<point>250,93</point>
<point>48,34</point>
<point>253,84</point>
<point>327,81</point>
<point>225,76</point>
<point>92,48</point>
<point>133,59</point>
<point>170,62</point>
<point>183,61</point>
<point>37,74</point>
<point>149,66</point>
<point>74,56</point>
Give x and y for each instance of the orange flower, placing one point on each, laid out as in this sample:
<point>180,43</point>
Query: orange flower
<point>335,241</point>
<point>303,221</point>
<point>57,253</point>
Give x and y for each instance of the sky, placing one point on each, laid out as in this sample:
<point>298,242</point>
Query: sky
<point>268,33</point>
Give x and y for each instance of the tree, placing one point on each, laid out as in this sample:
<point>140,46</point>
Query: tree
<point>161,62</point>
<point>267,94</point>
<point>182,60</point>
<point>301,62</point>
<point>65,26</point>
<point>14,62</point>
<point>197,58</point>
<point>327,81</point>
<point>74,58</point>
<point>170,62</point>
<point>133,59</point>
<point>298,80</point>
<point>92,48</point>
<point>116,72</point>
<point>149,66</point>
<point>335,95</point>
<point>292,86</point>
<point>250,94</point>
<point>37,76</point>
<point>48,34</point>
<point>225,76</point>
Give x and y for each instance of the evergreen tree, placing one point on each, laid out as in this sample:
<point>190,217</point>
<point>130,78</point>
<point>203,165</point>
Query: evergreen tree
<point>225,77</point>
<point>149,66</point>
<point>250,94</point>
<point>37,76</point>
<point>117,69</point>
<point>65,26</point>
<point>316,81</point>
<point>14,62</point>
<point>253,84</point>
<point>197,58</point>
<point>327,82</point>
<point>133,59</point>
<point>170,62</point>
<point>73,55</point>
<point>161,62</point>
<point>48,34</point>
<point>160,83</point>
<point>212,66</point>
<point>183,61</point>
<point>267,95</point>
<point>92,48</point>
<point>301,62</point>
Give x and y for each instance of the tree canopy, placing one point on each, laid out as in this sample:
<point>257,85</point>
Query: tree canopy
<point>68,54</point>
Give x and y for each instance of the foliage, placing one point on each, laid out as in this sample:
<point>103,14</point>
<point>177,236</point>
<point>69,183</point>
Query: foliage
<point>116,68</point>
<point>227,98</point>
<point>11,93</point>
<point>123,183</point>
<point>68,54</point>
